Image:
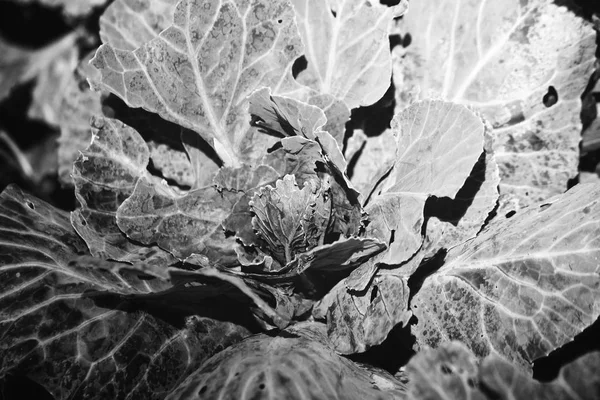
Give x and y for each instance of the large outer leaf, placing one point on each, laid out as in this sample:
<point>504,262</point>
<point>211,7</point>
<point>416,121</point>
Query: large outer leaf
<point>522,288</point>
<point>128,24</point>
<point>348,54</point>
<point>437,145</point>
<point>104,176</point>
<point>502,57</point>
<point>182,224</point>
<point>199,71</point>
<point>295,365</point>
<point>53,331</point>
<point>451,372</point>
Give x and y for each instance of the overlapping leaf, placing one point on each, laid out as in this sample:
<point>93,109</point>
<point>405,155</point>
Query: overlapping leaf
<point>437,145</point>
<point>346,48</point>
<point>298,364</point>
<point>522,288</point>
<point>452,372</point>
<point>199,71</point>
<point>104,176</point>
<point>181,223</point>
<point>455,221</point>
<point>508,60</point>
<point>358,321</point>
<point>53,331</point>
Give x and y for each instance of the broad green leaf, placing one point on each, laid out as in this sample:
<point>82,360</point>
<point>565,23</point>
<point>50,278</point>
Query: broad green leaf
<point>505,59</point>
<point>437,145</point>
<point>128,24</point>
<point>357,321</point>
<point>452,372</point>
<point>297,364</point>
<point>183,224</point>
<point>524,287</point>
<point>290,219</point>
<point>104,176</point>
<point>53,331</point>
<point>199,71</point>
<point>347,48</point>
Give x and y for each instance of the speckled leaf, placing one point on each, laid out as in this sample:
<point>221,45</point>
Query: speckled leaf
<point>180,223</point>
<point>77,106</point>
<point>104,175</point>
<point>54,332</point>
<point>348,53</point>
<point>173,164</point>
<point>524,287</point>
<point>509,60</point>
<point>452,372</point>
<point>289,218</point>
<point>199,71</point>
<point>357,321</point>
<point>128,24</point>
<point>437,145</point>
<point>71,8</point>
<point>244,179</point>
<point>298,364</point>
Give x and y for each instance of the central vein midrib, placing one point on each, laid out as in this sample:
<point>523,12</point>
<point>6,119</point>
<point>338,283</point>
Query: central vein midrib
<point>218,132</point>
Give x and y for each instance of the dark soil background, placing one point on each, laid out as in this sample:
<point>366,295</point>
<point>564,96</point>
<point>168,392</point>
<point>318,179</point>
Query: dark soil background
<point>34,26</point>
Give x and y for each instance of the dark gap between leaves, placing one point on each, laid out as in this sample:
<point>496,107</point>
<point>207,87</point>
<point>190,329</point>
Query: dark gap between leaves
<point>392,354</point>
<point>452,210</point>
<point>426,268</point>
<point>376,118</point>
<point>547,368</point>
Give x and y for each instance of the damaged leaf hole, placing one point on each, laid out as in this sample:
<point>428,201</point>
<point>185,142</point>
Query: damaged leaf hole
<point>30,204</point>
<point>374,293</point>
<point>551,97</point>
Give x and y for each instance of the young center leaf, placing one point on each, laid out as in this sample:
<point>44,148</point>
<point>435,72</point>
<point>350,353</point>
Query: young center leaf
<point>524,287</point>
<point>296,364</point>
<point>105,175</point>
<point>291,220</point>
<point>56,333</point>
<point>199,71</point>
<point>508,60</point>
<point>437,145</point>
